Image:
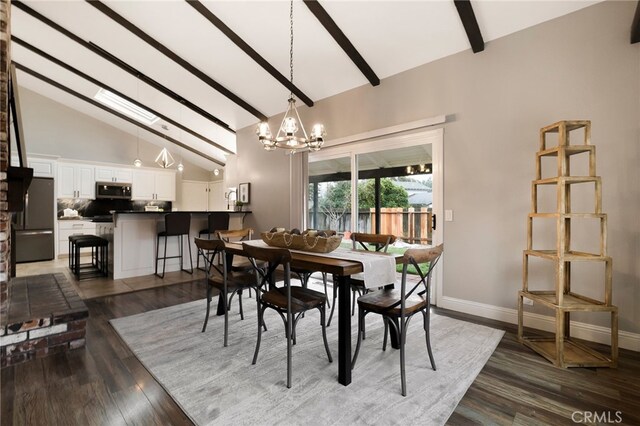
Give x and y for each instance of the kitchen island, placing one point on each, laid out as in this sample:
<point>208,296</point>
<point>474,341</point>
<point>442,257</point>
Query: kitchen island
<point>133,237</point>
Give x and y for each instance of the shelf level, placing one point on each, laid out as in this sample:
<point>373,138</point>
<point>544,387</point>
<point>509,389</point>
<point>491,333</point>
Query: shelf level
<point>570,125</point>
<point>567,256</point>
<point>566,180</point>
<point>568,150</point>
<point>570,215</point>
<point>571,301</point>
<point>574,354</point>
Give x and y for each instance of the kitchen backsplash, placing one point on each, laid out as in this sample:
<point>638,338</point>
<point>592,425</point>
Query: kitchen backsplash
<point>90,208</point>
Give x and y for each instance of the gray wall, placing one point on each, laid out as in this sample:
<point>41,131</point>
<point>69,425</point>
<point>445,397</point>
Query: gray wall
<point>580,66</point>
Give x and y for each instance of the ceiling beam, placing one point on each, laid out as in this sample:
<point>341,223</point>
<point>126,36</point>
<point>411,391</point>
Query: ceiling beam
<point>109,110</point>
<point>468,18</point>
<point>332,28</point>
<point>98,83</point>
<point>177,59</point>
<point>635,27</point>
<point>238,41</point>
<point>122,65</point>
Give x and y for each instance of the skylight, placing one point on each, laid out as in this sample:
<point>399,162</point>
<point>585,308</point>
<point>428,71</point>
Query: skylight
<point>124,106</point>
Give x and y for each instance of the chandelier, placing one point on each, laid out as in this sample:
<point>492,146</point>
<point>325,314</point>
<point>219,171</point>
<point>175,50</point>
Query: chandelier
<point>165,159</point>
<point>291,134</point>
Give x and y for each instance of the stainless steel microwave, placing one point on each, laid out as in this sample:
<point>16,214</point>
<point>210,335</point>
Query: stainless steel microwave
<point>113,190</point>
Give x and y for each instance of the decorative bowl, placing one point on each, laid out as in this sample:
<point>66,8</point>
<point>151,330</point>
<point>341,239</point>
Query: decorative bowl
<point>301,242</point>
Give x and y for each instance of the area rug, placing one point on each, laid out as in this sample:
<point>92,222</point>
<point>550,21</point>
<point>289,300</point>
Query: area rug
<point>218,385</point>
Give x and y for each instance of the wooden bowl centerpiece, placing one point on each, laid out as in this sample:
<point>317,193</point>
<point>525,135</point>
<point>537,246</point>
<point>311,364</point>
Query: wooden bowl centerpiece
<point>312,241</point>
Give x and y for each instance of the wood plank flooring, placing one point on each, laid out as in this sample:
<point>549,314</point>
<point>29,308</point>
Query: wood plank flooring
<point>104,383</point>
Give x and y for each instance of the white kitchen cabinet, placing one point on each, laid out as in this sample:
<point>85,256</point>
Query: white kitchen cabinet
<point>153,185</point>
<point>76,181</point>
<point>202,196</point>
<point>42,168</point>
<point>67,228</point>
<point>114,174</point>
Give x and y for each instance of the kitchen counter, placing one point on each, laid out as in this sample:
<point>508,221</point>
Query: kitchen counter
<point>133,240</point>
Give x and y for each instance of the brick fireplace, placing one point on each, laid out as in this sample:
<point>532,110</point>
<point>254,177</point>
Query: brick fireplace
<point>42,314</point>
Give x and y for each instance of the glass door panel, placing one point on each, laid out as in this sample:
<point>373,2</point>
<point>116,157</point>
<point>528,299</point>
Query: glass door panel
<point>330,195</point>
<point>394,193</point>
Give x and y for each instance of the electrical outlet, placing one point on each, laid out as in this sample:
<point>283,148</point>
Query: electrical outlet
<point>527,301</point>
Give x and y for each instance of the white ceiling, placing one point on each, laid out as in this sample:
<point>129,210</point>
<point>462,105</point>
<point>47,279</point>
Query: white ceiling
<point>392,36</point>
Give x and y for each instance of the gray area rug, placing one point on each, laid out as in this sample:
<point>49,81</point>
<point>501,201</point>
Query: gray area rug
<point>218,385</point>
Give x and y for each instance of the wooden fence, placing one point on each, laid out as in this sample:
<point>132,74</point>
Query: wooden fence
<point>410,225</point>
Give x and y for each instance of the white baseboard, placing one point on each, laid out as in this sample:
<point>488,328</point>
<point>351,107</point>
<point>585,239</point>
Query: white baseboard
<point>593,333</point>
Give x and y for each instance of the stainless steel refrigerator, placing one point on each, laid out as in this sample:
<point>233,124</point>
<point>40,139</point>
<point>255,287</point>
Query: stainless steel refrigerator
<point>34,225</point>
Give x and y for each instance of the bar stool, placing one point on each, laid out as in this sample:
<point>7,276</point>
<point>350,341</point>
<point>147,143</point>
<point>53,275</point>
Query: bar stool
<point>175,225</point>
<point>216,221</point>
<point>99,256</point>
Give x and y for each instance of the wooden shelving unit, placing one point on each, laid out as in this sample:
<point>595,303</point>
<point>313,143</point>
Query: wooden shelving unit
<point>562,350</point>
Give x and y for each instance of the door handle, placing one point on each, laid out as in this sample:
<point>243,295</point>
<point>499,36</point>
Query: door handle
<point>433,222</point>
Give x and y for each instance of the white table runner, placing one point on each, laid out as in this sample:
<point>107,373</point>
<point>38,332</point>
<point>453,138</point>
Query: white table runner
<point>379,269</point>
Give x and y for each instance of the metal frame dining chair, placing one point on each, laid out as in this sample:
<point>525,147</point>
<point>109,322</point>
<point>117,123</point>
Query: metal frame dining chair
<point>398,307</point>
<point>290,302</point>
<point>228,283</point>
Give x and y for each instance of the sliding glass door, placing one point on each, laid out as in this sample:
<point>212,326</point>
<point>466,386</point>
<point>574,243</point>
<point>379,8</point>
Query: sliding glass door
<point>395,193</point>
<point>330,195</point>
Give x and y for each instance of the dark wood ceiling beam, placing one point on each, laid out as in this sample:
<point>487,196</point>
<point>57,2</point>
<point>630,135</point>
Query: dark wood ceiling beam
<point>468,18</point>
<point>238,41</point>
<point>109,110</point>
<point>121,64</point>
<point>332,28</point>
<point>175,58</point>
<point>635,27</point>
<point>98,83</point>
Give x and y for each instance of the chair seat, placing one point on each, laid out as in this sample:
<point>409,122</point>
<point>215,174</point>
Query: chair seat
<point>380,302</point>
<point>204,231</point>
<point>235,281</point>
<point>302,299</point>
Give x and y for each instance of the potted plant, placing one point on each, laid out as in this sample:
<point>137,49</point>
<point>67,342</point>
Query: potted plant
<point>239,205</point>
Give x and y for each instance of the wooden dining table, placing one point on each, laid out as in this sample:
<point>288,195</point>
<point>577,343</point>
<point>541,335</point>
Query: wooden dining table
<point>341,270</point>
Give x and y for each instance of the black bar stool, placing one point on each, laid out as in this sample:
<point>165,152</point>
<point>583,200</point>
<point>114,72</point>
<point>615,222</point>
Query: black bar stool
<point>175,225</point>
<point>216,221</point>
<point>99,256</point>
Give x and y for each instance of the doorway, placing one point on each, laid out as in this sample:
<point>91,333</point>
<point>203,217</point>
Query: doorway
<point>389,185</point>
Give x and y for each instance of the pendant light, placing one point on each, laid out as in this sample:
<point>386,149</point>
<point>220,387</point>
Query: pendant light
<point>291,134</point>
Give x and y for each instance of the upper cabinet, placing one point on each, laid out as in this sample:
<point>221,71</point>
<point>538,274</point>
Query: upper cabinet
<point>76,181</point>
<point>114,174</point>
<point>154,185</point>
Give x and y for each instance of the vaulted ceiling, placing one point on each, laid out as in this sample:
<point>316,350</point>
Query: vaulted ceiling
<point>207,68</point>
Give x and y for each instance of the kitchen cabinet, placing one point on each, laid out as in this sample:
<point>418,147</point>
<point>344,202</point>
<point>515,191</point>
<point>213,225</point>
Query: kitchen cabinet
<point>114,174</point>
<point>202,196</point>
<point>41,167</point>
<point>154,185</point>
<point>76,181</point>
<point>67,228</point>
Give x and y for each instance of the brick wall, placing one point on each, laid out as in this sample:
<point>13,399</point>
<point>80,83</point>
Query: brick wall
<point>5,243</point>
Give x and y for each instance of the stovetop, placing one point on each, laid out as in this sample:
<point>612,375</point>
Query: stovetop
<point>102,218</point>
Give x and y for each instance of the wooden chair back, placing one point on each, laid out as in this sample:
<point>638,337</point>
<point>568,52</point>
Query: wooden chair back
<point>380,242</point>
<point>416,257</point>
<point>209,249</point>
<point>235,234</point>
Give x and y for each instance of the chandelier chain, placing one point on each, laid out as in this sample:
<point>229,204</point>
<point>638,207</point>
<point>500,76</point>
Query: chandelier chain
<point>291,45</point>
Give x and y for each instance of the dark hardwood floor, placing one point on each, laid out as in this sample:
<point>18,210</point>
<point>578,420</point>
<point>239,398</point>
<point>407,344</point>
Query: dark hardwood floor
<point>105,384</point>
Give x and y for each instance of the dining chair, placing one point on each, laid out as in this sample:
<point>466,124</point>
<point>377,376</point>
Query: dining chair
<point>368,242</point>
<point>305,274</point>
<point>216,221</point>
<point>228,283</point>
<point>290,302</point>
<point>239,263</point>
<point>397,307</point>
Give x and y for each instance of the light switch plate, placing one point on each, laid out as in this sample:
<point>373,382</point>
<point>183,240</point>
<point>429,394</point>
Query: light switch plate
<point>448,215</point>
<point>527,301</point>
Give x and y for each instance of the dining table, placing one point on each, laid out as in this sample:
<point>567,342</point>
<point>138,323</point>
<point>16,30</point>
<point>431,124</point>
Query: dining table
<point>342,270</point>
